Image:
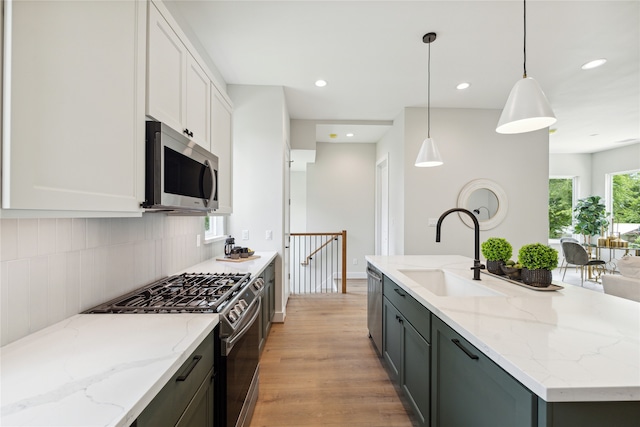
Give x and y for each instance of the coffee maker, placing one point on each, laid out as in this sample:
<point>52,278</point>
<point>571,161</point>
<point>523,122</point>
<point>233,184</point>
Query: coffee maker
<point>229,245</point>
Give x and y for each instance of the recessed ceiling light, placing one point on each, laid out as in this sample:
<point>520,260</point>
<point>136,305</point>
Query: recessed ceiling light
<point>463,85</point>
<point>333,135</point>
<point>593,64</point>
<point>321,83</point>
<point>349,134</point>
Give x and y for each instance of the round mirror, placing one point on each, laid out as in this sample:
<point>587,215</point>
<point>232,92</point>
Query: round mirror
<point>485,199</point>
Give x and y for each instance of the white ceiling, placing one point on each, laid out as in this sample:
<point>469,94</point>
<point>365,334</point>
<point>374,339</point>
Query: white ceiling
<point>372,55</point>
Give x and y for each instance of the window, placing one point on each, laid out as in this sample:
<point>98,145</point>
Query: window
<point>214,227</point>
<point>560,207</point>
<point>625,205</point>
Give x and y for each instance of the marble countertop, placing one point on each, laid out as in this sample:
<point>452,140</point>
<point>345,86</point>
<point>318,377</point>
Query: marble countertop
<point>95,369</point>
<point>568,345</point>
<point>103,369</point>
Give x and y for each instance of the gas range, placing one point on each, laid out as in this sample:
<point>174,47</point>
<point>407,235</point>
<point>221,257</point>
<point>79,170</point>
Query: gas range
<point>182,293</point>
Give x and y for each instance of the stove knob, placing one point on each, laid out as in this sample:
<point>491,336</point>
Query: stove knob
<point>232,316</point>
<point>259,283</point>
<point>242,303</point>
<point>237,310</point>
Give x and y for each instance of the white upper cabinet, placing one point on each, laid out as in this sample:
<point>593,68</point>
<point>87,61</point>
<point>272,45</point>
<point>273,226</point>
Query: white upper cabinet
<point>221,146</point>
<point>197,103</point>
<point>73,105</point>
<point>177,87</point>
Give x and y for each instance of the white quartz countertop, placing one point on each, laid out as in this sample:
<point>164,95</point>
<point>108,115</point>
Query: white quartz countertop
<point>95,369</point>
<point>568,345</point>
<point>103,369</point>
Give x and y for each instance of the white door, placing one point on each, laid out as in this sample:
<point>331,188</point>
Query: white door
<point>382,207</point>
<point>287,226</point>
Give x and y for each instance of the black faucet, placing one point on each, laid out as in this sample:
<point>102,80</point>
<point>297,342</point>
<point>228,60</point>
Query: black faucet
<point>476,226</point>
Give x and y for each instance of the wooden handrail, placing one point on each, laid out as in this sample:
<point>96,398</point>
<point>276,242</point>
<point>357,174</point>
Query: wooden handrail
<point>333,236</point>
<point>306,260</point>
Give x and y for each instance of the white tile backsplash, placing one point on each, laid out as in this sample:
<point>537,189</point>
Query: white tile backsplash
<point>51,269</point>
<point>18,299</point>
<point>63,235</point>
<point>38,292</point>
<point>46,236</point>
<point>27,238</point>
<point>9,241</point>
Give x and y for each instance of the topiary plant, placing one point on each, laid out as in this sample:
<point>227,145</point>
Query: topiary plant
<point>497,249</point>
<point>536,256</point>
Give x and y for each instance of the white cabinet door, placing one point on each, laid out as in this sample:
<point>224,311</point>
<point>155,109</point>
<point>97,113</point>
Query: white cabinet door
<point>165,72</point>
<point>222,146</point>
<point>197,103</point>
<point>73,105</point>
<point>178,87</point>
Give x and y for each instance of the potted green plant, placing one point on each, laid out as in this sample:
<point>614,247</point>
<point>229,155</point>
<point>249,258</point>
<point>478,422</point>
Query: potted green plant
<point>590,217</point>
<point>497,251</point>
<point>537,261</point>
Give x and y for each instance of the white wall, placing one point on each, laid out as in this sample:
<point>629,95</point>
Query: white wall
<point>573,165</point>
<point>621,159</point>
<point>471,149</point>
<point>260,138</point>
<point>298,202</point>
<point>51,269</point>
<point>392,146</point>
<point>592,169</point>
<point>340,196</point>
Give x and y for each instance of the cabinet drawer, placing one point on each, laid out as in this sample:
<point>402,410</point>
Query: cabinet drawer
<point>168,406</point>
<point>412,310</point>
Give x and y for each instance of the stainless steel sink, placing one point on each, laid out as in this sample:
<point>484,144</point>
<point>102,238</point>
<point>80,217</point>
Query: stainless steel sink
<point>445,284</point>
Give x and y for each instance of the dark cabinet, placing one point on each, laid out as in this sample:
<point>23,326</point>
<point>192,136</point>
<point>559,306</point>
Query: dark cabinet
<point>468,389</point>
<point>405,350</point>
<point>188,397</point>
<point>268,307</point>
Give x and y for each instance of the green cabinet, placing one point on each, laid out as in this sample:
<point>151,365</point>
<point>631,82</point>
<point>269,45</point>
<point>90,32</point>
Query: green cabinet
<point>268,307</point>
<point>468,389</point>
<point>188,397</point>
<point>405,350</point>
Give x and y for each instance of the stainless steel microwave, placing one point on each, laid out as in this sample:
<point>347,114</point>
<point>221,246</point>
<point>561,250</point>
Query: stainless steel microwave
<point>179,174</point>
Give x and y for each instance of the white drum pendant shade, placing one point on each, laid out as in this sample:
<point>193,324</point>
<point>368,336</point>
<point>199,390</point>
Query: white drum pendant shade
<point>428,155</point>
<point>526,110</point>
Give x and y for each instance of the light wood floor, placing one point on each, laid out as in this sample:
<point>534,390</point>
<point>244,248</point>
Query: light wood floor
<point>319,368</point>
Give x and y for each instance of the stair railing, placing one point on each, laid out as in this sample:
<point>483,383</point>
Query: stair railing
<point>318,262</point>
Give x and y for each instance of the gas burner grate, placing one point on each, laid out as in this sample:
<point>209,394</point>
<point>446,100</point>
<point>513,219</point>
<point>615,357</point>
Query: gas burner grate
<point>182,293</point>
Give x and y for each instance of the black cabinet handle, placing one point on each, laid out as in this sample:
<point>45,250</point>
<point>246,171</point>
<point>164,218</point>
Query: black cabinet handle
<point>192,365</point>
<point>399,293</point>
<point>461,347</point>
<point>399,319</point>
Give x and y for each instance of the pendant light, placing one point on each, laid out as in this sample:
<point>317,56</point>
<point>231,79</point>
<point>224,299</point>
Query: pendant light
<point>527,108</point>
<point>428,155</point>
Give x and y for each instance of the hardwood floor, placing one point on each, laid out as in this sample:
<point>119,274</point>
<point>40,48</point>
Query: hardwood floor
<point>319,368</point>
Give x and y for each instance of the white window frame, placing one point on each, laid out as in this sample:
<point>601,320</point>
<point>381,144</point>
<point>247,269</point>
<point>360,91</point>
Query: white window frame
<point>217,228</point>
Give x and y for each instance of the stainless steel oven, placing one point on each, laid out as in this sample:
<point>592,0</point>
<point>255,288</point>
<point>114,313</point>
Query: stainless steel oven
<point>240,366</point>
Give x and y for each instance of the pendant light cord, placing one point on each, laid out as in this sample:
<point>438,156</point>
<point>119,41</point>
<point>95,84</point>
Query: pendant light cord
<point>524,44</point>
<point>429,93</point>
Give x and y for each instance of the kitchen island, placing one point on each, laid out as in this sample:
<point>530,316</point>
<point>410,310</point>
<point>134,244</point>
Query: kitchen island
<point>103,369</point>
<point>571,345</point>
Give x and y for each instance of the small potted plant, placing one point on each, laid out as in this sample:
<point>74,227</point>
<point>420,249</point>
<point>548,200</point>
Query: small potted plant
<point>537,262</point>
<point>497,251</point>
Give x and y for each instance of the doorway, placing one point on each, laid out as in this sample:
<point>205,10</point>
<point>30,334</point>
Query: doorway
<point>382,206</point>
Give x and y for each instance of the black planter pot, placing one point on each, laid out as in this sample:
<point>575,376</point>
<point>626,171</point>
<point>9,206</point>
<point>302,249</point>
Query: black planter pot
<point>538,278</point>
<point>494,267</point>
